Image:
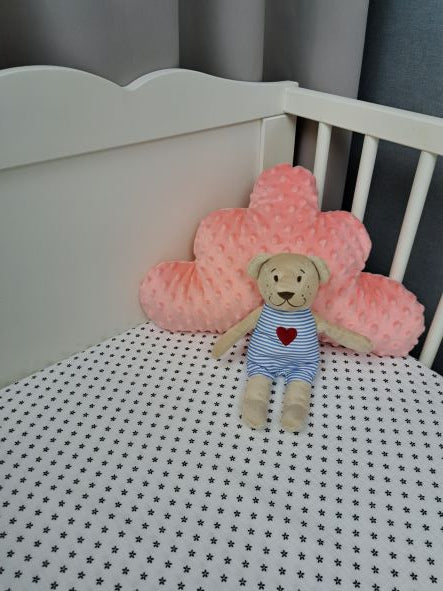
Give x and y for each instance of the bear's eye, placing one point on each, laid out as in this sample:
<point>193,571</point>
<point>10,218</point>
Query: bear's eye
<point>299,278</point>
<point>276,278</point>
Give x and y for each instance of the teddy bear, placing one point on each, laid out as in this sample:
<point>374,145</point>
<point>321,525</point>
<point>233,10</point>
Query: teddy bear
<point>284,340</point>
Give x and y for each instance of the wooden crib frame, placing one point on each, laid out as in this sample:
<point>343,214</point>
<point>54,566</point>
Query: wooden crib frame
<point>98,182</point>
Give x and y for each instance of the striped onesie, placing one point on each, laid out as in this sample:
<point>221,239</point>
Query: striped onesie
<point>284,344</point>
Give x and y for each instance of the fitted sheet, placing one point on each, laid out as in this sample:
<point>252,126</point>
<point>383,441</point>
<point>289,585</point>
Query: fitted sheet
<point>126,467</point>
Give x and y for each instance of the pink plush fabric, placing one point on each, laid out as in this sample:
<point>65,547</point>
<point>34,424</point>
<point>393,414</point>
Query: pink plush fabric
<point>213,292</point>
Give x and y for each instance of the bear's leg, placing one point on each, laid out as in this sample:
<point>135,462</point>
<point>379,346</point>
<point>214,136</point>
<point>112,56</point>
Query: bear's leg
<point>296,405</point>
<point>255,401</point>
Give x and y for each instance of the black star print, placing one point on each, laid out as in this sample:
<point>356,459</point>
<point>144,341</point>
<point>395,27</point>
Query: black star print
<point>127,466</point>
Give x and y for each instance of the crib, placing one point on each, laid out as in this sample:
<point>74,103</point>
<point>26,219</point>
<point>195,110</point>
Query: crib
<point>124,464</point>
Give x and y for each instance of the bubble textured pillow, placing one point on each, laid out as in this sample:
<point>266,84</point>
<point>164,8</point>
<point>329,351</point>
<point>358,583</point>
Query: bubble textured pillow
<point>214,292</point>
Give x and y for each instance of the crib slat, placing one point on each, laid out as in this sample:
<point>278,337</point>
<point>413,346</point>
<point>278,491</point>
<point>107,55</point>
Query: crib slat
<point>321,157</point>
<point>364,177</point>
<point>434,338</point>
<point>419,191</point>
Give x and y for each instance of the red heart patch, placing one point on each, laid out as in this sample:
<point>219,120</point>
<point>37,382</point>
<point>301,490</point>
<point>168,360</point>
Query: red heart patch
<point>286,335</point>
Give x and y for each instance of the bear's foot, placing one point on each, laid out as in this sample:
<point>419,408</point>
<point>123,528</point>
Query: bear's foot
<point>296,406</point>
<point>255,401</point>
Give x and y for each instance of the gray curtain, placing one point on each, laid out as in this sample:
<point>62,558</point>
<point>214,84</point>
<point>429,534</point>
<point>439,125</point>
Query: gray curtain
<point>403,67</point>
<point>223,37</point>
<point>119,40</point>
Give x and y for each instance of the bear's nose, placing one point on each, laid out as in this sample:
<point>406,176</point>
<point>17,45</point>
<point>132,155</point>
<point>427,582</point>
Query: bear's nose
<point>286,295</point>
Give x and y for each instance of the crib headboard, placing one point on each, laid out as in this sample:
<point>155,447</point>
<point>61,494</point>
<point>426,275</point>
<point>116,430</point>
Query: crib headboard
<point>99,182</point>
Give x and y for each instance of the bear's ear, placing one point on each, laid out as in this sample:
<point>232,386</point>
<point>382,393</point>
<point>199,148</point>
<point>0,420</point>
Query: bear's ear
<point>322,268</point>
<point>256,264</point>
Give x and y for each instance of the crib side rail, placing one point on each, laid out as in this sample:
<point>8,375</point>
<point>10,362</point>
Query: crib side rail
<point>423,132</point>
<point>99,182</point>
<point>49,112</point>
<point>375,122</point>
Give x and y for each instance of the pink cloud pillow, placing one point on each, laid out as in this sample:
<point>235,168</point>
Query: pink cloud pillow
<point>213,292</point>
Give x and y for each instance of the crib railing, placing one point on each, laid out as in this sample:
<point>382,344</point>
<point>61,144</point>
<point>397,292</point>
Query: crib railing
<point>376,122</point>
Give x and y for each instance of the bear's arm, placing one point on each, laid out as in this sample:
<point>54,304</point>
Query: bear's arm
<point>343,336</point>
<point>236,332</point>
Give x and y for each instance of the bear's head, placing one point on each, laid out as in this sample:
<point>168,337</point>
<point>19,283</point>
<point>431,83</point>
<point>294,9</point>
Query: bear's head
<point>288,281</point>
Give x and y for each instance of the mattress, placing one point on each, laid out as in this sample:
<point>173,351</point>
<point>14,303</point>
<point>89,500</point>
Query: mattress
<point>126,468</point>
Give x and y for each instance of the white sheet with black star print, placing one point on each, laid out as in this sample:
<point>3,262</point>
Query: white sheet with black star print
<point>126,468</point>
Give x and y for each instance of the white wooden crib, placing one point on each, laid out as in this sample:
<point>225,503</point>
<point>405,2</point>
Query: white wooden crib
<point>125,466</point>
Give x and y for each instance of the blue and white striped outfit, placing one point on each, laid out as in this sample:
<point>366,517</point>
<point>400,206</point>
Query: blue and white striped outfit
<point>295,360</point>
